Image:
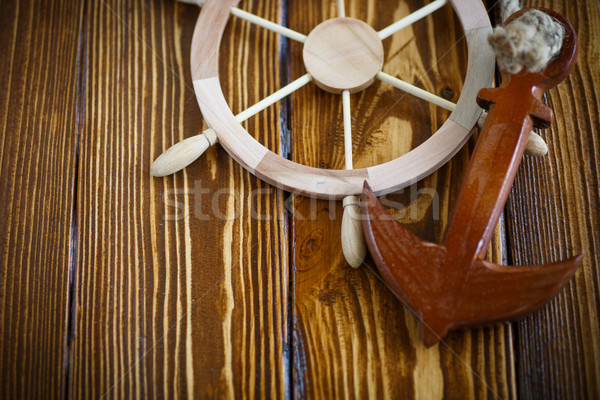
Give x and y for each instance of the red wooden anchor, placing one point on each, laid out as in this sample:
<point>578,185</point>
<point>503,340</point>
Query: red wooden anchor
<point>450,285</point>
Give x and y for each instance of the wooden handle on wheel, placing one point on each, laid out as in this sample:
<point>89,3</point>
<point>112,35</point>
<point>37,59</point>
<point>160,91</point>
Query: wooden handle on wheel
<point>536,145</point>
<point>182,154</point>
<point>353,240</point>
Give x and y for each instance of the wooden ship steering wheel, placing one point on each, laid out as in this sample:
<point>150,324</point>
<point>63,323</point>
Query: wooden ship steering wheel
<point>343,56</point>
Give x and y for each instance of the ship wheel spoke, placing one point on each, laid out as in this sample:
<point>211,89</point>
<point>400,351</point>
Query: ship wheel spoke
<point>272,26</point>
<point>353,239</point>
<point>411,18</point>
<point>347,129</point>
<point>274,98</point>
<point>255,19</point>
<point>415,91</point>
<point>341,9</point>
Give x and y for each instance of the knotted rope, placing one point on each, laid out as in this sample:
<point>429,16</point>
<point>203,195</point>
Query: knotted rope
<point>531,41</point>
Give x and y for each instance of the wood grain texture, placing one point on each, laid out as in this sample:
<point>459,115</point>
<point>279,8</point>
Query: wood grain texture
<point>352,338</point>
<point>181,285</point>
<point>38,134</point>
<point>173,299</point>
<point>553,213</point>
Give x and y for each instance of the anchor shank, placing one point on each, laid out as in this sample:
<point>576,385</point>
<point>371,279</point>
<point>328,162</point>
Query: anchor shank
<point>485,188</point>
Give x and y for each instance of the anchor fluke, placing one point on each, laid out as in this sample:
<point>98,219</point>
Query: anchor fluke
<point>416,272</point>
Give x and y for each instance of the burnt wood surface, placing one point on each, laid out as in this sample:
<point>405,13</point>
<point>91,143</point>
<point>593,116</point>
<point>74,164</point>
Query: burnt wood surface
<point>553,213</point>
<point>211,283</point>
<point>40,122</point>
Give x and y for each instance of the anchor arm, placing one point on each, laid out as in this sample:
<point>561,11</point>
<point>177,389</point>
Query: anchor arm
<point>422,258</point>
<point>510,292</point>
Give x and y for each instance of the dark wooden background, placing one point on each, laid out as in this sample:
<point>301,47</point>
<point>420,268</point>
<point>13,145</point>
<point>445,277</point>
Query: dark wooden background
<point>211,283</point>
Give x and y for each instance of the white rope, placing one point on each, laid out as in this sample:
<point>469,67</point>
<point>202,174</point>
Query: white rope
<point>531,41</point>
<point>508,8</point>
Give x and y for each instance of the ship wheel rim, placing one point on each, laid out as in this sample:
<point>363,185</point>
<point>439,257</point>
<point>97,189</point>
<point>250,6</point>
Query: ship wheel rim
<point>297,178</point>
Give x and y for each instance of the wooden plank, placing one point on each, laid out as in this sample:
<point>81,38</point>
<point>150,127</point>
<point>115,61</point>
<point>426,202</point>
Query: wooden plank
<point>352,337</point>
<point>182,282</point>
<point>552,215</point>
<point>38,131</point>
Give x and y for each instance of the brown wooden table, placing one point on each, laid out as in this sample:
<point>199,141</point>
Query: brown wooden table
<point>211,283</point>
